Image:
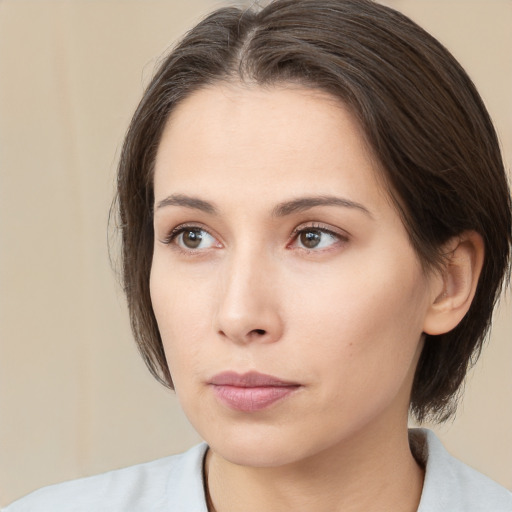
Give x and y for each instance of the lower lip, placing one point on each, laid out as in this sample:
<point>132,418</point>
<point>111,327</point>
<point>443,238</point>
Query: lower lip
<point>250,399</point>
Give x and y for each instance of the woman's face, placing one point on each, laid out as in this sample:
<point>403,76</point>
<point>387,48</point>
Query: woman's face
<point>289,299</point>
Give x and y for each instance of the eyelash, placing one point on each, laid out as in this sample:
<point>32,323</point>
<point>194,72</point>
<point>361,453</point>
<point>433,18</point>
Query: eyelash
<point>178,230</point>
<point>339,237</point>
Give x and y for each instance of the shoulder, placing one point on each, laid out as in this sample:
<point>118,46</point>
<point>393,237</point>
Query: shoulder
<point>452,485</point>
<point>171,483</point>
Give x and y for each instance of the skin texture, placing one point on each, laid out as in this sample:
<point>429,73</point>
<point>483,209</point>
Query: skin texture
<point>342,320</point>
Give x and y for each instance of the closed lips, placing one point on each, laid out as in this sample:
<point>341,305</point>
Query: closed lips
<point>251,391</point>
<point>249,380</point>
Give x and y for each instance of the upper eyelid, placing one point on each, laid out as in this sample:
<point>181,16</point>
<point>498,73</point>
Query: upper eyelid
<point>327,228</point>
<point>340,236</point>
<point>171,234</point>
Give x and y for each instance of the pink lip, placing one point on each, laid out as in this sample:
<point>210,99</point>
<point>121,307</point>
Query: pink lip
<point>250,391</point>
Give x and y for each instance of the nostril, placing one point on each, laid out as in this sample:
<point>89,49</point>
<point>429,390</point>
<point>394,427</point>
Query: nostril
<point>259,331</point>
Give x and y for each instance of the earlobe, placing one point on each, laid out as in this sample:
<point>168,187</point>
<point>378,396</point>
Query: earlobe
<point>458,279</point>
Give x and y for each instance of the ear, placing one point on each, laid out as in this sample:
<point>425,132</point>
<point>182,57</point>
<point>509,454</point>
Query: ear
<point>455,286</point>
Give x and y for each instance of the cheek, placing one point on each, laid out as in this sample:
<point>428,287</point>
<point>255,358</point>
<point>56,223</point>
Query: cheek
<point>181,310</point>
<point>368,322</point>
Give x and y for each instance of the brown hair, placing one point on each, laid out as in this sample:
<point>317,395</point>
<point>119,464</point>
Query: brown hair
<point>420,112</point>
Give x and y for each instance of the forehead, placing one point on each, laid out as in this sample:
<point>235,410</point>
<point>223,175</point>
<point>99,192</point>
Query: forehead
<point>240,137</point>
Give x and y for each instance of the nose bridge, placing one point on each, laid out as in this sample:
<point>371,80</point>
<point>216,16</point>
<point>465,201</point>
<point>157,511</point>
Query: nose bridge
<point>248,307</point>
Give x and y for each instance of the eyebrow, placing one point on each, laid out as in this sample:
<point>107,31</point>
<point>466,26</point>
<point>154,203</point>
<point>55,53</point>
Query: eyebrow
<point>298,205</point>
<point>188,202</point>
<point>305,203</point>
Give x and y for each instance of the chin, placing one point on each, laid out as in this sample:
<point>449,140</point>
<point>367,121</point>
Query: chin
<point>254,447</point>
<point>267,447</point>
<point>257,455</point>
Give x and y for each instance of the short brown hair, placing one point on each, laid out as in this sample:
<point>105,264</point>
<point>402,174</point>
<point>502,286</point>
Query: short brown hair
<point>421,115</point>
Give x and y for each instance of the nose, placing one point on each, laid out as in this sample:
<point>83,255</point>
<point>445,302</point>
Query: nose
<point>248,309</point>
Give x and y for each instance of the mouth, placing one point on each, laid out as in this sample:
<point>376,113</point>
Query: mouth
<point>252,391</point>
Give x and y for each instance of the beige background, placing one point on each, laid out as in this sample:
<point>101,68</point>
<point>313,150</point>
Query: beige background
<point>74,397</point>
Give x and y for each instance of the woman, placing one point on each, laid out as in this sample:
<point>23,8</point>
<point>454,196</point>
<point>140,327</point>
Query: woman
<point>306,260</point>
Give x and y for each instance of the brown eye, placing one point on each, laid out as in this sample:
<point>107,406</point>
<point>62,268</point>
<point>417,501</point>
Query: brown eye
<point>192,238</point>
<point>317,239</point>
<point>311,238</point>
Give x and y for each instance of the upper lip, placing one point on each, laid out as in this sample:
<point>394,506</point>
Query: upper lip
<point>249,380</point>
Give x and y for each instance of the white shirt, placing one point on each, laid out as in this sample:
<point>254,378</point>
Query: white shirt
<point>175,484</point>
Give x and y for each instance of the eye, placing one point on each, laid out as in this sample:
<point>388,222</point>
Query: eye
<point>191,238</point>
<point>316,238</point>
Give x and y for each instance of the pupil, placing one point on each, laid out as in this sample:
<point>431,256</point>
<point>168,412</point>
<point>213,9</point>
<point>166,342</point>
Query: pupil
<point>310,239</point>
<point>192,239</point>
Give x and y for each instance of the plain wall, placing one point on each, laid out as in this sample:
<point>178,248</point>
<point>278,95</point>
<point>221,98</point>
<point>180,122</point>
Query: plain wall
<point>75,398</point>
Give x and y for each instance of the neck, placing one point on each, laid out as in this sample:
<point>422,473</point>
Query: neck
<point>365,473</point>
